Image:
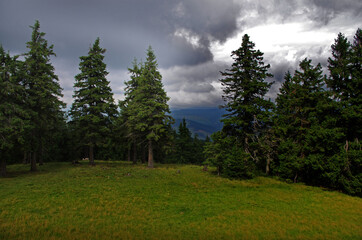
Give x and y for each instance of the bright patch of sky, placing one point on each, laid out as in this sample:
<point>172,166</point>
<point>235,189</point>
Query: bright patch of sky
<point>275,38</point>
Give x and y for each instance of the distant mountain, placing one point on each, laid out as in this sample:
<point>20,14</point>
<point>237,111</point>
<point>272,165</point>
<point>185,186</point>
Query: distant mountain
<point>200,121</point>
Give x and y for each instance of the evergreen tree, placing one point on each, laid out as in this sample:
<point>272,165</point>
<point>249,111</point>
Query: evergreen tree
<point>132,135</point>
<point>43,93</point>
<point>198,156</point>
<point>148,111</point>
<point>93,108</point>
<point>285,125</point>
<point>184,144</point>
<point>12,112</point>
<point>215,151</point>
<point>345,82</point>
<point>244,91</point>
<point>244,88</point>
<point>306,126</point>
<point>225,153</point>
<point>353,107</point>
<point>339,68</point>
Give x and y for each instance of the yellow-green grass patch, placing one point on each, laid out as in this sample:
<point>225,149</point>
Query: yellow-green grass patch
<point>117,200</point>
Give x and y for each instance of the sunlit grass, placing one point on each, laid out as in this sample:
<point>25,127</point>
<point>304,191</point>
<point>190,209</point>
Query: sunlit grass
<point>116,200</point>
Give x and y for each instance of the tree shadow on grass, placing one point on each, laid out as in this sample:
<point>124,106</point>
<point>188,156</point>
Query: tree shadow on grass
<point>20,170</point>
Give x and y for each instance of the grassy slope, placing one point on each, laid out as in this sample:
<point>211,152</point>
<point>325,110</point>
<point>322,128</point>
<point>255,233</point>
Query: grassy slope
<point>121,201</point>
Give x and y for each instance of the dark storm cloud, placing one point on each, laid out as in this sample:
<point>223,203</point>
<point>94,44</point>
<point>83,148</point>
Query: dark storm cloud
<point>126,28</point>
<point>208,18</point>
<point>181,33</point>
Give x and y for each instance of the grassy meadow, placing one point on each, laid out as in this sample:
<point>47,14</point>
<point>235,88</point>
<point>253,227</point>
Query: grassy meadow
<point>117,200</point>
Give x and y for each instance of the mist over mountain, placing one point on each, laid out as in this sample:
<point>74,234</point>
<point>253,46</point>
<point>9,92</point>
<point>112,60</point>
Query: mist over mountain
<point>200,121</point>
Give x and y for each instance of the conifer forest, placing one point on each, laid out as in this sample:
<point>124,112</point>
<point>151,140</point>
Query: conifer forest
<point>310,133</point>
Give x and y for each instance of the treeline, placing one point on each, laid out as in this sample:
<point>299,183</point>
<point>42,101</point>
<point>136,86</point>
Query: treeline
<point>36,129</point>
<point>312,131</point>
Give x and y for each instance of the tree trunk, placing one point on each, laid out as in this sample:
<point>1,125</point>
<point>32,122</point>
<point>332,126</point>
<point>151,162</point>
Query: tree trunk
<point>25,157</point>
<point>29,158</point>
<point>144,155</point>
<point>3,167</point>
<point>41,162</point>
<point>267,168</point>
<point>295,178</point>
<point>134,153</point>
<point>33,162</point>
<point>91,155</point>
<point>150,154</point>
<point>129,153</point>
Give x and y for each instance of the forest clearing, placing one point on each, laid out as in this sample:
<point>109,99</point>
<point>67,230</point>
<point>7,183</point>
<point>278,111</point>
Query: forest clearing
<point>119,200</point>
<point>291,115</point>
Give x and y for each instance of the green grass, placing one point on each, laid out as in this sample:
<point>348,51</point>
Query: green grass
<point>116,200</point>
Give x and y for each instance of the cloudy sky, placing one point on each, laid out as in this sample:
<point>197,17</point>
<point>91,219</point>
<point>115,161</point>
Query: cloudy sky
<point>192,39</point>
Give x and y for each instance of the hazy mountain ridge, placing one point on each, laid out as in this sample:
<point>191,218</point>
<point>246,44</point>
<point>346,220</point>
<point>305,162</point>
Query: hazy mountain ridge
<point>200,121</point>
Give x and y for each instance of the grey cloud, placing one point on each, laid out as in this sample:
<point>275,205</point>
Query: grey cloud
<point>200,88</point>
<point>328,9</point>
<point>320,12</point>
<point>280,66</point>
<point>278,69</point>
<point>194,85</point>
<point>209,18</point>
<point>126,27</point>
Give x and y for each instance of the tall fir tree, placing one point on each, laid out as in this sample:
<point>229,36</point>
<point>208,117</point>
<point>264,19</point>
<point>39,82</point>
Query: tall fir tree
<point>346,84</point>
<point>285,123</point>
<point>244,88</point>
<point>148,111</point>
<point>249,113</point>
<point>12,106</point>
<point>43,94</point>
<point>132,136</point>
<point>93,109</point>
<point>354,115</point>
<point>339,68</point>
<point>306,126</point>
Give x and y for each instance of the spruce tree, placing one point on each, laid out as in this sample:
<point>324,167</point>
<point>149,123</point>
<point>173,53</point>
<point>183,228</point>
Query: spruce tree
<point>339,68</point>
<point>354,114</point>
<point>198,156</point>
<point>285,124</point>
<point>245,87</point>
<point>306,126</point>
<point>43,93</point>
<point>184,144</point>
<point>148,111</point>
<point>12,106</point>
<point>93,109</point>
<point>346,84</point>
<point>125,106</point>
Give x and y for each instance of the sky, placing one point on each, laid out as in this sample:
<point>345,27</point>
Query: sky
<point>192,39</point>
